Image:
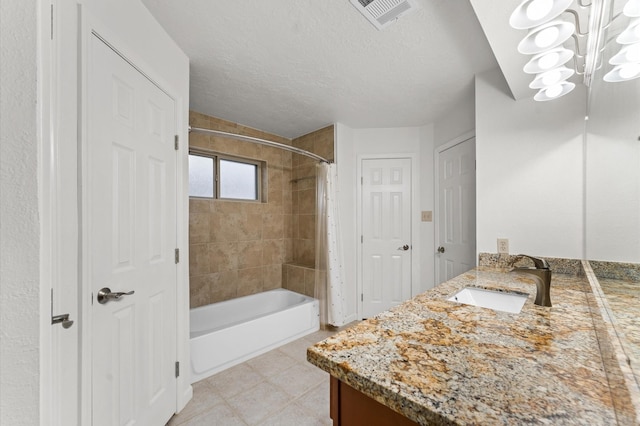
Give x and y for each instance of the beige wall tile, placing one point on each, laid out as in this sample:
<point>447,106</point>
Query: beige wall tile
<point>272,277</point>
<point>307,201</point>
<point>309,282</point>
<point>223,256</point>
<point>304,252</point>
<point>198,227</point>
<point>273,226</point>
<point>225,286</point>
<point>199,291</point>
<point>249,254</point>
<point>288,250</point>
<point>250,281</point>
<point>199,205</point>
<point>224,226</point>
<point>295,279</point>
<point>307,226</point>
<point>272,252</point>
<point>250,227</point>
<point>198,259</point>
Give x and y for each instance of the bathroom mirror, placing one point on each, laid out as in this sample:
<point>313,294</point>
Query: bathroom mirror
<point>612,194</point>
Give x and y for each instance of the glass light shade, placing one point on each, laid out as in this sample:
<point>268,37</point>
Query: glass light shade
<point>551,77</point>
<point>546,36</point>
<point>631,34</point>
<point>554,92</point>
<point>624,72</point>
<point>531,13</point>
<point>628,53</point>
<point>632,9</point>
<point>548,60</point>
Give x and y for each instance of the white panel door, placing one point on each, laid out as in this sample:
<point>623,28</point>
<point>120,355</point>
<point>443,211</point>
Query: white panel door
<point>456,210</point>
<point>131,178</point>
<point>386,234</point>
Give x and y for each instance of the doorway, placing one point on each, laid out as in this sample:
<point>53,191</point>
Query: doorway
<point>386,233</point>
<point>456,208</point>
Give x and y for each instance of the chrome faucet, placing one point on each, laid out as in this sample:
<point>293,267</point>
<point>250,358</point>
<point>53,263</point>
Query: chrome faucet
<point>541,275</point>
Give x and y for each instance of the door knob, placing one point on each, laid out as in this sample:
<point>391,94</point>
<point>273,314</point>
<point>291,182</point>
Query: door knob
<point>105,295</point>
<point>404,247</point>
<point>440,249</point>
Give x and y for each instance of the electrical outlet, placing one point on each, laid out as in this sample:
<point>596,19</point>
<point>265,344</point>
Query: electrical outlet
<point>503,246</point>
<point>427,216</point>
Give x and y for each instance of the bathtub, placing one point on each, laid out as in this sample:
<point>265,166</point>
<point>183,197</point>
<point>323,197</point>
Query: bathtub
<point>227,333</point>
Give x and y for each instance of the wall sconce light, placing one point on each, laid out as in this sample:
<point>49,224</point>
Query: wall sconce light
<point>548,32</point>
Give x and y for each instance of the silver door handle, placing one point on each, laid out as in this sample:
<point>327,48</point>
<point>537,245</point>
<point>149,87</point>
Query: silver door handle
<point>440,249</point>
<point>105,295</point>
<point>404,247</point>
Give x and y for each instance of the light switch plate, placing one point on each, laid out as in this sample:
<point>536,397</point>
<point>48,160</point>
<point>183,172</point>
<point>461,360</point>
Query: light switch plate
<point>503,246</point>
<point>427,216</point>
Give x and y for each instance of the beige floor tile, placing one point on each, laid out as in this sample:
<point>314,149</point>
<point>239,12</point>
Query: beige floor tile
<point>298,379</point>
<point>235,380</point>
<point>270,363</point>
<point>316,400</point>
<point>220,414</point>
<point>258,403</point>
<point>293,415</point>
<point>204,398</point>
<point>297,350</point>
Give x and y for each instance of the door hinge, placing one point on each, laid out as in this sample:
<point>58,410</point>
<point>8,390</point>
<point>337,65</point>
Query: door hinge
<point>176,142</point>
<point>361,180</point>
<point>51,21</point>
<point>362,297</point>
<point>361,239</point>
<point>177,255</point>
<point>177,369</point>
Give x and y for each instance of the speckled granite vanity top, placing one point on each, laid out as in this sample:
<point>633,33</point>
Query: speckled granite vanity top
<point>440,362</point>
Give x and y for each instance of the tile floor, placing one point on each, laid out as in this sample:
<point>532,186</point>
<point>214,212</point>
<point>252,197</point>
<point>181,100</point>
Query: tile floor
<point>277,388</point>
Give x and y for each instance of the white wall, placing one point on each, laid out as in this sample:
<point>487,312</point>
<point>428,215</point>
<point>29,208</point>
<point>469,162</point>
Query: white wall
<point>457,122</point>
<point>352,143</point>
<point>25,346</point>
<point>529,171</point>
<point>613,172</point>
<point>19,217</point>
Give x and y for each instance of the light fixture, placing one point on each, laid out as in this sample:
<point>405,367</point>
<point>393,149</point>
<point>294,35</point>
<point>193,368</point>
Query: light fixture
<point>628,53</point>
<point>548,32</point>
<point>631,34</point>
<point>547,60</point>
<point>532,13</point>
<point>632,9</point>
<point>555,91</point>
<point>551,78</point>
<point>624,72</point>
<point>546,36</point>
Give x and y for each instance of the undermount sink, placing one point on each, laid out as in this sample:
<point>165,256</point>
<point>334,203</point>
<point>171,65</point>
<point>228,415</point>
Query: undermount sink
<point>496,300</point>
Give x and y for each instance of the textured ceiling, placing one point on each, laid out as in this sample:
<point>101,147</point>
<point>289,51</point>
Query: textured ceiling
<point>292,66</point>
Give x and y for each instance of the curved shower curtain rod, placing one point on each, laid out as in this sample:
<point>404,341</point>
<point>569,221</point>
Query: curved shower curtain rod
<point>260,141</point>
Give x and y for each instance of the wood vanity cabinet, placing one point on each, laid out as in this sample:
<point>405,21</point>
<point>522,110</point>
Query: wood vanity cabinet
<point>349,407</point>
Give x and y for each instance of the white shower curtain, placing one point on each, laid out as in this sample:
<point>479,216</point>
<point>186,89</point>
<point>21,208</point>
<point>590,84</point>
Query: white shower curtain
<point>329,283</point>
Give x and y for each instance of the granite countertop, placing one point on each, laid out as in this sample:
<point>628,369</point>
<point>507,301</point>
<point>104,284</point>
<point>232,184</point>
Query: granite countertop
<point>440,362</point>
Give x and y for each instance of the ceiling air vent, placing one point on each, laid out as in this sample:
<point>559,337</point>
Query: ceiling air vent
<point>382,13</point>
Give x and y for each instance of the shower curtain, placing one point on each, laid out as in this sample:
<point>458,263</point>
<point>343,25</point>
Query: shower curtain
<point>329,282</point>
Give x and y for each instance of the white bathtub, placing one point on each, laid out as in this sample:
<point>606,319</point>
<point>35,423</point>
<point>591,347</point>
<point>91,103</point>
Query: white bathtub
<point>227,333</point>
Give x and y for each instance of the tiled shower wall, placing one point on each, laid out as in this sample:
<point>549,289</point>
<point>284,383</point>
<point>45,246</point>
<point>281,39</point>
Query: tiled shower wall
<point>241,248</point>
<point>304,194</point>
<point>237,248</point>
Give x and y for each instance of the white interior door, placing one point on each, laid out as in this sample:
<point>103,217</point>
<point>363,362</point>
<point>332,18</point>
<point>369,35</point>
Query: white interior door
<point>386,233</point>
<point>131,218</point>
<point>456,253</point>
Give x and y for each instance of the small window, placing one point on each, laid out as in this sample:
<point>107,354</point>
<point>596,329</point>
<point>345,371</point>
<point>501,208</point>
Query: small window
<point>222,177</point>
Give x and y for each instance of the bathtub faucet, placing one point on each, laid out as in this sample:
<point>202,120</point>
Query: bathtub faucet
<point>541,274</point>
